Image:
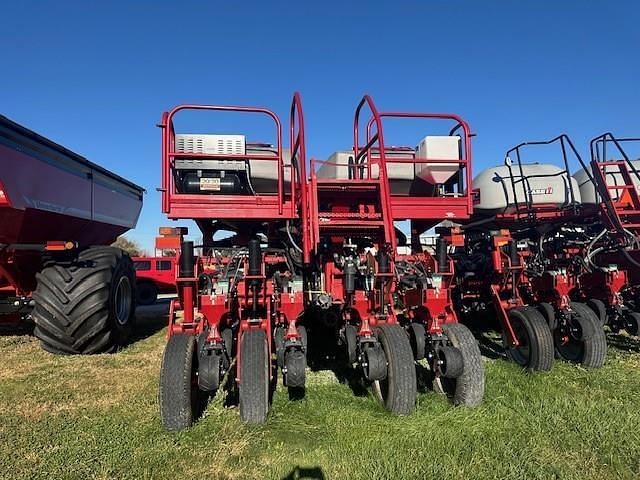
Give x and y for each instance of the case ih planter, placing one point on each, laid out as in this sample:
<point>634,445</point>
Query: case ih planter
<point>56,210</point>
<point>388,309</point>
<point>237,308</point>
<point>531,235</point>
<point>614,256</point>
<point>319,253</point>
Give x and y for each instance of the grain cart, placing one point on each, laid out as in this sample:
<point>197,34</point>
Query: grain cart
<point>528,235</point>
<point>58,213</point>
<point>611,287</point>
<point>239,302</point>
<point>389,309</point>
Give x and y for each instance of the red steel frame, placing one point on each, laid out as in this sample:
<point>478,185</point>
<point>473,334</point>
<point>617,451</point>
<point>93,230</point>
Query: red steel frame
<point>417,207</point>
<point>261,206</point>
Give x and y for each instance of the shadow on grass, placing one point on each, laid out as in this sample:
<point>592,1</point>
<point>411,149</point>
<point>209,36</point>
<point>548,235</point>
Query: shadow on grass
<point>425,378</point>
<point>351,377</point>
<point>150,320</point>
<point>296,393</point>
<point>335,361</point>
<point>17,327</point>
<point>301,473</point>
<point>623,342</point>
<point>491,346</point>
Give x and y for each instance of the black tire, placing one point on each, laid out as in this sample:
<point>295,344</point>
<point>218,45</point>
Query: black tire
<point>304,338</point>
<point>417,338</point>
<point>86,305</point>
<point>599,309</point>
<point>278,341</point>
<point>535,352</point>
<point>398,391</point>
<point>295,363</point>
<point>209,363</point>
<point>179,396</point>
<point>146,293</point>
<point>549,314</point>
<point>351,341</point>
<point>254,377</point>
<point>229,351</point>
<point>591,350</point>
<point>467,389</point>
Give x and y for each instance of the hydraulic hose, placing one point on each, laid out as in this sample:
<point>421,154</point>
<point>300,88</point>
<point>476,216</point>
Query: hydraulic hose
<point>295,245</point>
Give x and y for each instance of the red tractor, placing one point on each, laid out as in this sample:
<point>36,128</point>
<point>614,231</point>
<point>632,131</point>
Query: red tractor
<point>154,275</point>
<point>157,275</point>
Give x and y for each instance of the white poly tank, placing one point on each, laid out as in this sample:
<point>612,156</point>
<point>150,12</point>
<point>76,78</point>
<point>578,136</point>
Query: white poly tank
<point>438,148</point>
<point>543,184</point>
<point>401,175</point>
<point>613,177</point>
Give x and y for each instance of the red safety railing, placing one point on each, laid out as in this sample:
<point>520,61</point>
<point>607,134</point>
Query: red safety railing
<point>169,195</point>
<point>299,167</point>
<point>379,155</point>
<point>365,151</point>
<point>622,208</point>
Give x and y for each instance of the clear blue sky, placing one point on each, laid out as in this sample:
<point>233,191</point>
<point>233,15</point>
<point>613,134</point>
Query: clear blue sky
<point>95,76</point>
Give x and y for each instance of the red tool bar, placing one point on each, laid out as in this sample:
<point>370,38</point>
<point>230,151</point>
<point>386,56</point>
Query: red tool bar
<point>465,161</point>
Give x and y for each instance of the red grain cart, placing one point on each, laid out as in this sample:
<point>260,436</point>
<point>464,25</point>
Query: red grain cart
<point>58,214</point>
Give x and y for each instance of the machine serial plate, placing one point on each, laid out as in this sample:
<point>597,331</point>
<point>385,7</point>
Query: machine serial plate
<point>212,184</point>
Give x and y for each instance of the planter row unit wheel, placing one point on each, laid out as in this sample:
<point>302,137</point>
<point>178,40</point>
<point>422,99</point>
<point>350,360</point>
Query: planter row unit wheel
<point>579,338</point>
<point>462,382</point>
<point>398,390</point>
<point>179,397</point>
<point>535,351</point>
<point>582,340</point>
<point>85,305</point>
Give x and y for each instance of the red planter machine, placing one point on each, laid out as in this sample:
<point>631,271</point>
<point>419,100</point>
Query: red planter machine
<point>315,263</point>
<point>615,254</point>
<point>529,259</point>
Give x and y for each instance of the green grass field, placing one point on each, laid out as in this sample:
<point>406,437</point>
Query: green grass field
<point>97,417</point>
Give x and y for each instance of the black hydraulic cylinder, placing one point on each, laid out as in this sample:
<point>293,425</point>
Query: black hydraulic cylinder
<point>255,268</point>
<point>441,255</point>
<point>255,257</point>
<point>383,262</point>
<point>350,272</point>
<point>186,260</point>
<point>513,253</point>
